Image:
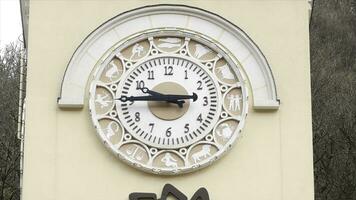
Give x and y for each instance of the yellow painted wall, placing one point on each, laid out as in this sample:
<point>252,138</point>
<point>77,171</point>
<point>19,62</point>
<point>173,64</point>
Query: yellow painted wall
<point>65,160</point>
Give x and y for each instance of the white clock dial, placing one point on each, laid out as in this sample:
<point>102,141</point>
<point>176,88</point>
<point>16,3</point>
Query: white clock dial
<point>164,124</point>
<point>168,101</point>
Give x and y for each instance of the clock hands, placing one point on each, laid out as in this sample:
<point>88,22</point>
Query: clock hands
<point>168,97</point>
<point>155,96</point>
<point>147,91</point>
<point>153,93</point>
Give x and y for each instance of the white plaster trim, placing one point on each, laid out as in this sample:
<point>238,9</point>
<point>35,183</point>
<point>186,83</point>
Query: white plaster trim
<point>122,26</point>
<point>310,8</point>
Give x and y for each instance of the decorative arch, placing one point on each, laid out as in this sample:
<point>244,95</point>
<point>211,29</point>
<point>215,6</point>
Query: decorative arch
<point>122,26</point>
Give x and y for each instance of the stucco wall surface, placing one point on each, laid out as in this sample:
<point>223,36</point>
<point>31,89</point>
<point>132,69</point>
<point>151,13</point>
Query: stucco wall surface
<point>65,160</point>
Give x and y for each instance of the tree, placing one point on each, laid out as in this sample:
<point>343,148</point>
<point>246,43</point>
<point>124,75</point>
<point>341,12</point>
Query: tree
<point>10,154</point>
<point>333,77</point>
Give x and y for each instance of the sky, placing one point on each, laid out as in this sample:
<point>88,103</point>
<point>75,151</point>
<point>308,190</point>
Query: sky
<point>10,21</point>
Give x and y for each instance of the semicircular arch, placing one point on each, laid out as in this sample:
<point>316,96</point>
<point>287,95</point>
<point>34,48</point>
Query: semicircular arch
<point>118,28</point>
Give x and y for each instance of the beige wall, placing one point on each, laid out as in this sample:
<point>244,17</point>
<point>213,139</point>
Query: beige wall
<point>65,160</point>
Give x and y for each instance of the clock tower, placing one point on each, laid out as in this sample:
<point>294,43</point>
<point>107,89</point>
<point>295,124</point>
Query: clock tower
<point>151,99</point>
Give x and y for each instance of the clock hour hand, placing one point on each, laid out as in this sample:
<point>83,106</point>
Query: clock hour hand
<point>147,91</point>
<point>153,93</point>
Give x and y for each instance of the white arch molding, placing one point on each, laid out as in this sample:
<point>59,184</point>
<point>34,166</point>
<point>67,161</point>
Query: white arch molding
<point>132,22</point>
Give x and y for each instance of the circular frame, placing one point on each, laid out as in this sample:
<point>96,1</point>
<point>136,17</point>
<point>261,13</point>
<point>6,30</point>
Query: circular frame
<point>221,149</point>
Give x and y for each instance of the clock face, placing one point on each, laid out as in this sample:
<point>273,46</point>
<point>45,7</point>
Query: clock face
<point>168,102</point>
<point>164,124</point>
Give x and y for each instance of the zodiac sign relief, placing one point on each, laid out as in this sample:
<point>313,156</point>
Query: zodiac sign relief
<point>225,72</point>
<point>103,100</point>
<point>234,102</point>
<point>135,152</point>
<point>225,131</point>
<point>111,129</point>
<point>169,43</point>
<point>113,72</point>
<point>171,191</point>
<point>202,154</point>
<point>201,50</point>
<point>137,49</point>
<point>169,161</point>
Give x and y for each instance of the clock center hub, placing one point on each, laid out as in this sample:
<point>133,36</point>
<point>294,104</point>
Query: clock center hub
<point>168,111</point>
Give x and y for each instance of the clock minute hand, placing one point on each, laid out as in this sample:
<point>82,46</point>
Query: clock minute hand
<point>168,97</point>
<point>174,97</point>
